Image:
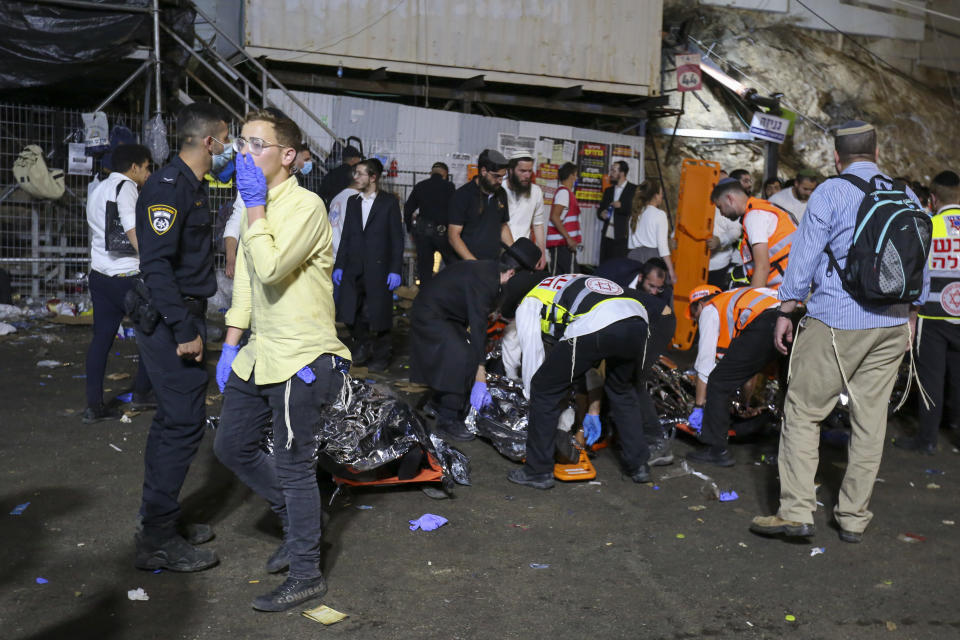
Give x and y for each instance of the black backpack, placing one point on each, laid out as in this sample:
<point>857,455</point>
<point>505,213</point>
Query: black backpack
<point>891,241</point>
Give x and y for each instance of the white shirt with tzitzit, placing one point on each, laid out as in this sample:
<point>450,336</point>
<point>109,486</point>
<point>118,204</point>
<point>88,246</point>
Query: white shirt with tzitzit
<point>107,262</point>
<point>525,211</point>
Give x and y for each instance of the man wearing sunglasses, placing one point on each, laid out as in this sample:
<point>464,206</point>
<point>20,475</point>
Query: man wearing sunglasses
<point>291,366</point>
<point>176,266</point>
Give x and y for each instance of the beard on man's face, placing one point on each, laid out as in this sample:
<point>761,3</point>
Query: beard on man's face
<point>518,187</point>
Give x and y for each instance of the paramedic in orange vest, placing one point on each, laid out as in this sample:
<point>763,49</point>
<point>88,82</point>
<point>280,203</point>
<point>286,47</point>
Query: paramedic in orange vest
<point>767,232</point>
<point>563,232</point>
<point>736,326</point>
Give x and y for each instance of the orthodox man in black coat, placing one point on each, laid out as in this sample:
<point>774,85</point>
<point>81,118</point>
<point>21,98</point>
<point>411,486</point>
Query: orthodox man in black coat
<point>449,330</point>
<point>368,265</point>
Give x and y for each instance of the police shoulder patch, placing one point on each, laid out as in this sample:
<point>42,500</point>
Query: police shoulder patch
<point>161,217</point>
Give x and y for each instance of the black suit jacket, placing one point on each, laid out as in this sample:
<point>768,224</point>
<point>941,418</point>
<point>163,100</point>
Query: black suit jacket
<point>621,216</point>
<point>367,255</point>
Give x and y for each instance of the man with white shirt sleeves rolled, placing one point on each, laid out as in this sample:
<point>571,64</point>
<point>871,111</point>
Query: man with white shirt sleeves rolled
<point>843,345</point>
<point>525,203</point>
<point>794,200</point>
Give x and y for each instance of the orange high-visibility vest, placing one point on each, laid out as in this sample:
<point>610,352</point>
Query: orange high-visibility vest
<point>778,245</point>
<point>738,308</point>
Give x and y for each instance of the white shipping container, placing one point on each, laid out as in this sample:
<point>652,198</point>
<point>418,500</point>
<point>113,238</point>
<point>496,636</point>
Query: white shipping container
<point>610,46</point>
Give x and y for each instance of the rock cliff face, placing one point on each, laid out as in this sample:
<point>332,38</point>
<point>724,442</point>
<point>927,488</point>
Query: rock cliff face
<point>918,126</point>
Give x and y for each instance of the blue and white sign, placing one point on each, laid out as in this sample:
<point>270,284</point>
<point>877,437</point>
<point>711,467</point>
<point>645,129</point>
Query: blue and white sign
<point>767,127</point>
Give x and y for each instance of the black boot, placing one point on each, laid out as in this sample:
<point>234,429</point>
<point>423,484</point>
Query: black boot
<point>291,593</point>
<point>172,554</point>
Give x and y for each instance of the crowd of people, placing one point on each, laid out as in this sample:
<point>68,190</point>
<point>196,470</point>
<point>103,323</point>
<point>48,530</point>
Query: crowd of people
<point>779,277</point>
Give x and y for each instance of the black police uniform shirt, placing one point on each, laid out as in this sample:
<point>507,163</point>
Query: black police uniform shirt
<point>176,244</point>
<point>481,216</point>
<point>432,198</point>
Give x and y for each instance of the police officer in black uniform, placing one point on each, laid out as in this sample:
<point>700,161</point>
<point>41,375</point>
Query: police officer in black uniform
<point>431,198</point>
<point>176,264</point>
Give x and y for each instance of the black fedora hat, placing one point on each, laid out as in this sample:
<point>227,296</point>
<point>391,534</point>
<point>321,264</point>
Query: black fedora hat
<point>525,252</point>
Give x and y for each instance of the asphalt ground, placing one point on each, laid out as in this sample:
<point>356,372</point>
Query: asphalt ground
<point>619,560</point>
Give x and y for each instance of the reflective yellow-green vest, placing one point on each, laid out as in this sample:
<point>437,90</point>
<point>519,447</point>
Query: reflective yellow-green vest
<point>570,296</point>
<point>943,302</point>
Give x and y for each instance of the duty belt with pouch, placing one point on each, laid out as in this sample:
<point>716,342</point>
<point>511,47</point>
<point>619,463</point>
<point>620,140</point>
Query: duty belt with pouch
<point>431,228</point>
<point>140,309</point>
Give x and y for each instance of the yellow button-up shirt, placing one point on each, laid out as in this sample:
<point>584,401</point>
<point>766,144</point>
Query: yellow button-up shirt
<point>282,289</point>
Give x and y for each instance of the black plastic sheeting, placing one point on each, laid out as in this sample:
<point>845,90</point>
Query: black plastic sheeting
<point>368,428</point>
<point>43,45</point>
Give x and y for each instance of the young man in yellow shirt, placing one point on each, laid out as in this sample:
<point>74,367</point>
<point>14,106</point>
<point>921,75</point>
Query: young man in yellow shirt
<point>290,367</point>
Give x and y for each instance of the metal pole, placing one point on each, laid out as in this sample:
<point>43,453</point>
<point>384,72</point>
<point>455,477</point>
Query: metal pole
<point>126,83</point>
<point>771,159</point>
<point>156,57</point>
<point>213,94</point>
<point>102,6</point>
<point>263,90</point>
<point>148,89</point>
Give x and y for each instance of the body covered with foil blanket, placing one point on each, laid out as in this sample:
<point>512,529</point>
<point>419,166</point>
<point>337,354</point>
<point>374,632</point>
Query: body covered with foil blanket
<point>368,427</point>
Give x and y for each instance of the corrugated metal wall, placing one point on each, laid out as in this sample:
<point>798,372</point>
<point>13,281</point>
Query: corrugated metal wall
<point>416,137</point>
<point>604,45</point>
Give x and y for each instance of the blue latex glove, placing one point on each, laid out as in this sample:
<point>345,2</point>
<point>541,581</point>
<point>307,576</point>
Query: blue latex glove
<point>591,428</point>
<point>393,281</point>
<point>695,421</point>
<point>479,396</point>
<point>251,182</point>
<point>427,522</point>
<point>307,375</point>
<point>225,363</point>
<point>337,276</point>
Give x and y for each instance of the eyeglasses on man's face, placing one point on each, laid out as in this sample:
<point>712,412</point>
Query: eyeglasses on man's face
<point>255,146</point>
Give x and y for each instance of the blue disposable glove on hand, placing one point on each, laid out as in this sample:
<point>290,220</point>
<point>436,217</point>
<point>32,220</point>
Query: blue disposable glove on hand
<point>337,276</point>
<point>251,182</point>
<point>393,281</point>
<point>479,396</point>
<point>225,364</point>
<point>591,428</point>
<point>695,421</point>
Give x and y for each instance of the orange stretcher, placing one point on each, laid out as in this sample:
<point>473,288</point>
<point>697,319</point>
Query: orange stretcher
<point>577,472</point>
<point>691,260</point>
<point>431,473</point>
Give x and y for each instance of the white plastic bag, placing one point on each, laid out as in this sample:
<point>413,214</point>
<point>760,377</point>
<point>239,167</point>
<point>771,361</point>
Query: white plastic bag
<point>157,140</point>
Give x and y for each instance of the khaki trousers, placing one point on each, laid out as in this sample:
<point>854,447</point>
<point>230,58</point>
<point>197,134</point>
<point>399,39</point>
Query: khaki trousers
<point>868,359</point>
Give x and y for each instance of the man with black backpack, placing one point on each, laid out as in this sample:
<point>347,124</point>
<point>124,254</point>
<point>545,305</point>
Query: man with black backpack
<point>862,246</point>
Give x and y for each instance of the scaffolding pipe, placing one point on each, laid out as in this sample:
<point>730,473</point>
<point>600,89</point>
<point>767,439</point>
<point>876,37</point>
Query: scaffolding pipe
<point>102,6</point>
<point>213,94</point>
<point>156,57</point>
<point>206,64</point>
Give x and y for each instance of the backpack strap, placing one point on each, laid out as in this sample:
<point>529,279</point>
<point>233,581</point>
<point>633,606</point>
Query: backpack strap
<point>860,183</point>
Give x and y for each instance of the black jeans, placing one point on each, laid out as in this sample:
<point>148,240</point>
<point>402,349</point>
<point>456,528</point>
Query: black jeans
<point>661,333</point>
<point>373,346</point>
<point>562,260</point>
<point>937,360</point>
<point>748,354</point>
<point>177,427</point>
<point>622,345</point>
<point>427,244</point>
<point>107,294</point>
<point>612,248</point>
<point>288,479</point>
<point>719,278</point>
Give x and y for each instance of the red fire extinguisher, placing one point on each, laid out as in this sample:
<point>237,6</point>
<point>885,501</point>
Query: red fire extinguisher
<point>392,172</point>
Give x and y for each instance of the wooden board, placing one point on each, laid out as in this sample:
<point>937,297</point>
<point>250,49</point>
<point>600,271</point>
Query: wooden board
<point>691,260</point>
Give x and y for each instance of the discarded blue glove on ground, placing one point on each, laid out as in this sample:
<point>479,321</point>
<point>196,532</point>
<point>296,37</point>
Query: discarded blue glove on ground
<point>479,396</point>
<point>427,522</point>
<point>251,182</point>
<point>728,496</point>
<point>393,281</point>
<point>695,421</point>
<point>227,355</point>
<point>591,428</point>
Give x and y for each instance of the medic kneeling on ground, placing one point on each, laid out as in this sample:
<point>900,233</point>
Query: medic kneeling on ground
<point>736,326</point>
<point>587,319</point>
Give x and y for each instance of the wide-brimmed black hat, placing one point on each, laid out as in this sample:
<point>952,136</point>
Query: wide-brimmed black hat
<point>525,252</point>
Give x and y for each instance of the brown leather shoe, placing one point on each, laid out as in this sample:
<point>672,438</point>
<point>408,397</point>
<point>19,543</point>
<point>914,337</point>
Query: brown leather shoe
<point>777,526</point>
